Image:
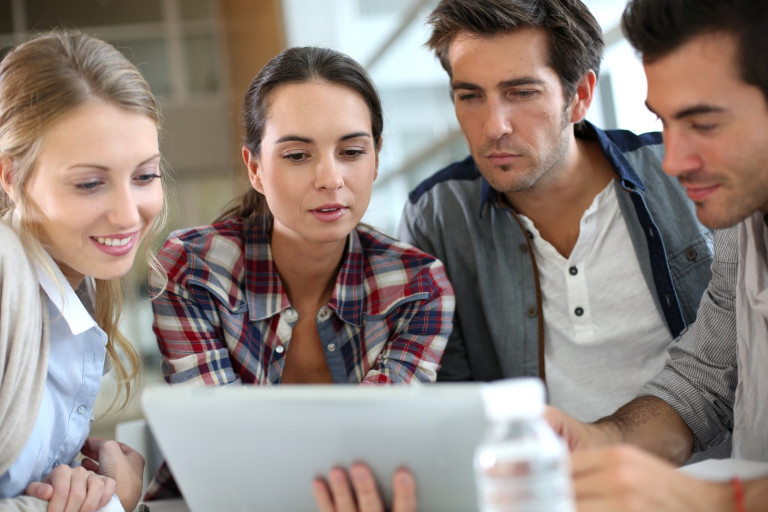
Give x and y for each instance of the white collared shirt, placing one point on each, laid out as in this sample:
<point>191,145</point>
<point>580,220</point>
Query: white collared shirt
<point>75,368</point>
<point>604,335</point>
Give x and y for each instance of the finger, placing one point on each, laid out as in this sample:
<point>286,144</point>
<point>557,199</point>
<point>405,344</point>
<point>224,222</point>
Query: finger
<point>109,490</point>
<point>364,484</point>
<point>341,490</point>
<point>59,479</point>
<point>95,489</point>
<point>92,446</point>
<point>39,490</point>
<point>404,491</point>
<point>90,465</point>
<point>322,495</point>
<point>77,489</point>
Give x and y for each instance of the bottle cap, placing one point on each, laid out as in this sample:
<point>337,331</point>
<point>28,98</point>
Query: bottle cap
<point>513,399</point>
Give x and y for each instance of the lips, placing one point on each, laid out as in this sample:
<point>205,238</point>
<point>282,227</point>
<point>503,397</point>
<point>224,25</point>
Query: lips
<point>329,212</point>
<point>699,193</point>
<point>116,245</point>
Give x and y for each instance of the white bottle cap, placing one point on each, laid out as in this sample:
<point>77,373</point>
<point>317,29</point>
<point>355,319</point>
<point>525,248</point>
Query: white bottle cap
<point>513,399</point>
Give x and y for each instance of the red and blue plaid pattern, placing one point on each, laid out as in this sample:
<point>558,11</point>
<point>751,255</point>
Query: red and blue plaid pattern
<point>224,312</point>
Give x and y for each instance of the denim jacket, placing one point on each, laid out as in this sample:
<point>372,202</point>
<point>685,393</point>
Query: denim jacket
<point>498,325</point>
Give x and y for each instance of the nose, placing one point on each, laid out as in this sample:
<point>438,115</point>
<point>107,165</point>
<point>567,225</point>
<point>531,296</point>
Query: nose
<point>124,207</point>
<point>680,156</point>
<point>328,174</point>
<point>497,120</point>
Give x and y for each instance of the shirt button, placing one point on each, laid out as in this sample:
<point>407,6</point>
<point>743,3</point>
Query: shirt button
<point>324,313</point>
<point>331,347</point>
<point>290,314</point>
<point>531,312</point>
<point>523,248</point>
<point>578,311</point>
<point>81,409</point>
<point>573,271</point>
<point>691,254</point>
<point>279,349</point>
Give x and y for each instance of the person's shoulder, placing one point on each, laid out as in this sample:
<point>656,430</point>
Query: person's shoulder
<point>462,172</point>
<point>11,248</point>
<point>396,271</point>
<point>627,141</point>
<point>386,253</point>
<point>222,242</point>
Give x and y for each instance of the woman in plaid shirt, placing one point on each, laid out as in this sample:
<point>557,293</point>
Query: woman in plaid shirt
<point>288,286</point>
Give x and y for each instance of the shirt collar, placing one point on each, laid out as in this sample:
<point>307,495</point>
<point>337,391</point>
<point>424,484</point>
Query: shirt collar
<point>269,297</point>
<point>58,289</point>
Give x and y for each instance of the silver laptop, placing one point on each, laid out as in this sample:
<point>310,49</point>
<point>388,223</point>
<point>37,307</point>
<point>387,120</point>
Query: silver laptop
<point>255,448</point>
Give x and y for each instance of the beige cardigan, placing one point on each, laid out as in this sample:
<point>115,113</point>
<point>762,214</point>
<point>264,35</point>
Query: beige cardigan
<point>23,355</point>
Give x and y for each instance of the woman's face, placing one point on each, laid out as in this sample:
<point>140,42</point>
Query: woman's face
<point>317,163</point>
<point>96,189</point>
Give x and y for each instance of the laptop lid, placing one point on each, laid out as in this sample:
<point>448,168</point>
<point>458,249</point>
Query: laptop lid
<point>249,448</point>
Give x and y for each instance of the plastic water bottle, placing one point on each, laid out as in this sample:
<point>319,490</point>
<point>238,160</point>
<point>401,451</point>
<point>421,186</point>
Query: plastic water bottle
<point>521,465</point>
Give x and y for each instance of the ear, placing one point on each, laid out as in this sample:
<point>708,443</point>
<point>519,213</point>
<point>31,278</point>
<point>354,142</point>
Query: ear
<point>585,92</point>
<point>254,170</point>
<point>6,178</point>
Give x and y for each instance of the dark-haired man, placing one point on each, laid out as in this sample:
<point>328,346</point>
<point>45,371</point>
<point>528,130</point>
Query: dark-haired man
<point>708,83</point>
<point>573,256</point>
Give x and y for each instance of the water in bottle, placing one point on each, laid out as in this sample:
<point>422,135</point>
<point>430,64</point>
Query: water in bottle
<point>521,465</point>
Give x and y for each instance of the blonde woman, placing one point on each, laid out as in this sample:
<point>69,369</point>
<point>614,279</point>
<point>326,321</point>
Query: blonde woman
<point>81,191</point>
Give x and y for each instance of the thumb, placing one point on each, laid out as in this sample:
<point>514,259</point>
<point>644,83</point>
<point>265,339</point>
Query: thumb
<point>40,490</point>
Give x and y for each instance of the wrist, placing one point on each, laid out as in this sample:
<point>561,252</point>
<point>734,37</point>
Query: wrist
<point>608,431</point>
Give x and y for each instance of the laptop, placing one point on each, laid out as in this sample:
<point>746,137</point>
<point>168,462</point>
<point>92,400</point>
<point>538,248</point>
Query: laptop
<point>258,448</point>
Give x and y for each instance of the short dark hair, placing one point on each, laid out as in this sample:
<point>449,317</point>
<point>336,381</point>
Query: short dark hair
<point>658,27</point>
<point>293,66</point>
<point>575,37</point>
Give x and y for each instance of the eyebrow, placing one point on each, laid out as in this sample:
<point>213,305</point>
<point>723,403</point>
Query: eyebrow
<point>105,168</point>
<point>693,110</point>
<point>299,138</point>
<point>515,82</point>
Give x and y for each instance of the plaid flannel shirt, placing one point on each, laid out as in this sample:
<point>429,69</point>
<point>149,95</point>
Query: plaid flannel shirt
<point>225,318</point>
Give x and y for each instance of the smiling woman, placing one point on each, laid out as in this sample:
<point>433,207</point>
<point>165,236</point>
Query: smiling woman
<point>288,286</point>
<point>79,169</point>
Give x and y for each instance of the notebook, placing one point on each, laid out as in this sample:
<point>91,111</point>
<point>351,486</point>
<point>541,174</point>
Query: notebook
<point>258,448</point>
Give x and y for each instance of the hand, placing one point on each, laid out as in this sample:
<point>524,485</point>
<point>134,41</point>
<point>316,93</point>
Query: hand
<point>577,434</point>
<point>68,489</point>
<point>623,478</point>
<point>120,462</point>
<point>363,495</point>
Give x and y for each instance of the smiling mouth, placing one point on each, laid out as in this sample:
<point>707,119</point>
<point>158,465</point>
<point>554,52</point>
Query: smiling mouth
<point>114,242</point>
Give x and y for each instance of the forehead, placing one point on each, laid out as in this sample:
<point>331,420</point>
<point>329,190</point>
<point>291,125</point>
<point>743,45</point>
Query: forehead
<point>100,130</point>
<point>521,52</point>
<point>316,104</point>
<point>702,71</point>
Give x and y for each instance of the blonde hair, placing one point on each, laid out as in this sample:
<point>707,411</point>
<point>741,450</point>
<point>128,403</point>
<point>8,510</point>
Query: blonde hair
<point>41,81</point>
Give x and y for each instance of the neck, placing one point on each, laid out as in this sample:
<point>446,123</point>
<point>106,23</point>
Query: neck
<point>558,201</point>
<point>308,270</point>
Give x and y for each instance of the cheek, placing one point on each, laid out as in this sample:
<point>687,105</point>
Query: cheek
<point>152,205</point>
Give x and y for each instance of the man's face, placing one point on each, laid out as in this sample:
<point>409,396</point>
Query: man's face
<point>511,108</point>
<point>715,129</point>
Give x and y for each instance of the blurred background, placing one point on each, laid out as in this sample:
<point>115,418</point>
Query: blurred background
<point>200,55</point>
